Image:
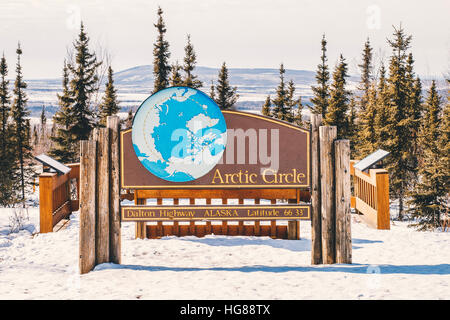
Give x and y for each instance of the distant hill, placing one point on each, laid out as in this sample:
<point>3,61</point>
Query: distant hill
<point>135,84</point>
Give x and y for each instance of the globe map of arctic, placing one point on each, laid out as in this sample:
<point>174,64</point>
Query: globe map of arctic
<point>179,134</point>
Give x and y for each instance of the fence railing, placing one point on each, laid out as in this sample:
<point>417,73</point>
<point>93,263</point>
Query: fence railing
<point>55,198</point>
<point>371,196</point>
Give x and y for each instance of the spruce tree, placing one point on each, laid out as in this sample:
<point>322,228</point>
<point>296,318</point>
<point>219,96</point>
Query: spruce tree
<point>190,60</point>
<point>109,105</point>
<point>161,55</point>
<point>280,108</point>
<point>83,85</point>
<point>414,105</point>
<point>43,119</point>
<point>336,114</point>
<point>7,161</point>
<point>212,93</point>
<point>367,135</point>
<point>225,95</point>
<point>366,75</point>
<point>382,113</point>
<point>353,127</point>
<point>266,108</point>
<point>297,113</point>
<point>63,146</point>
<point>21,131</point>
<point>429,199</point>
<point>321,91</point>
<point>175,76</point>
<point>291,102</point>
<point>398,125</point>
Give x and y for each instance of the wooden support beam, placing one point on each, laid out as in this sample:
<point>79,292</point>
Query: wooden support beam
<point>46,203</point>
<point>382,196</point>
<point>102,222</point>
<point>88,151</point>
<point>257,225</point>
<point>113,124</point>
<point>141,227</point>
<point>327,135</point>
<point>316,216</point>
<point>343,193</point>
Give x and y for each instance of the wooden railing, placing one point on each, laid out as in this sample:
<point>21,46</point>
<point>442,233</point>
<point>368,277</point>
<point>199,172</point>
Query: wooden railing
<point>371,196</point>
<point>55,201</point>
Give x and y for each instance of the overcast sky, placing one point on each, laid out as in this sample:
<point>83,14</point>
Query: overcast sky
<point>248,34</point>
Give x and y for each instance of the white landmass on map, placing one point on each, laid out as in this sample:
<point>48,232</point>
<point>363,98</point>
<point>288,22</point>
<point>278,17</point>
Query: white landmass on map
<point>199,160</point>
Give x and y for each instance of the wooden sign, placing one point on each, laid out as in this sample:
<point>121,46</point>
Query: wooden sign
<point>260,152</point>
<point>212,212</point>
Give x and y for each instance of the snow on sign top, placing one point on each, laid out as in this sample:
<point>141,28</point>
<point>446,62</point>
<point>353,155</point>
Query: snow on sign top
<point>52,163</point>
<point>371,159</point>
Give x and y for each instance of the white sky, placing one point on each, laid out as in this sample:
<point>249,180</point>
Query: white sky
<point>244,33</point>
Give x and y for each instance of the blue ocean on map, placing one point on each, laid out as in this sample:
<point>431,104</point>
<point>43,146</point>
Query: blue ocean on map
<point>179,134</point>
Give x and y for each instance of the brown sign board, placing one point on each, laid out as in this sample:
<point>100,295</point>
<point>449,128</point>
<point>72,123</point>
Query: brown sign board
<point>261,152</point>
<point>212,212</point>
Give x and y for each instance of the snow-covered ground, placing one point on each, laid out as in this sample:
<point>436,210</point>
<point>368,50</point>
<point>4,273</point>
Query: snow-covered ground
<point>396,264</point>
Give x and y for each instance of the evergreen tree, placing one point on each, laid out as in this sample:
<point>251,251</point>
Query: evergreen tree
<point>265,110</point>
<point>382,114</point>
<point>366,75</point>
<point>161,55</point>
<point>321,91</point>
<point>429,199</point>
<point>414,105</point>
<point>225,95</point>
<point>398,125</point>
<point>190,60</point>
<point>291,102</point>
<point>280,109</point>
<point>83,86</point>
<point>7,161</point>
<point>63,143</point>
<point>212,93</point>
<point>43,121</point>
<point>336,114</point>
<point>109,105</point>
<point>175,77</point>
<point>21,131</point>
<point>297,113</point>
<point>353,127</point>
<point>367,135</point>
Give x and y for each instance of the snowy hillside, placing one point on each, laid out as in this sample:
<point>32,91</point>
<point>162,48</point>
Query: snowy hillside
<point>391,264</point>
<point>135,84</point>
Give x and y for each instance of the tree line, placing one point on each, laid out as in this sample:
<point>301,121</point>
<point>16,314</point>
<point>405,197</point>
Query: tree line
<point>389,112</point>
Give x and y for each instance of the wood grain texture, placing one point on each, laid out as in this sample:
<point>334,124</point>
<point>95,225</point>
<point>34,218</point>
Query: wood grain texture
<point>113,124</point>
<point>316,216</point>
<point>102,223</point>
<point>88,151</point>
<point>327,135</point>
<point>343,193</point>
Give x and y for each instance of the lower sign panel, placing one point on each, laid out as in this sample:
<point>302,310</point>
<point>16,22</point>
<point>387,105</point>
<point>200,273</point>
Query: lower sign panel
<point>224,212</point>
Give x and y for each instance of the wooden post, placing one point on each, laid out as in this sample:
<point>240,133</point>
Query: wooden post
<point>293,226</point>
<point>327,135</point>
<point>273,223</point>
<point>46,202</point>
<point>102,225</point>
<point>141,227</point>
<point>383,215</point>
<point>88,151</point>
<point>113,124</point>
<point>176,226</point>
<point>257,222</point>
<point>316,216</point>
<point>343,194</point>
<point>240,222</point>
